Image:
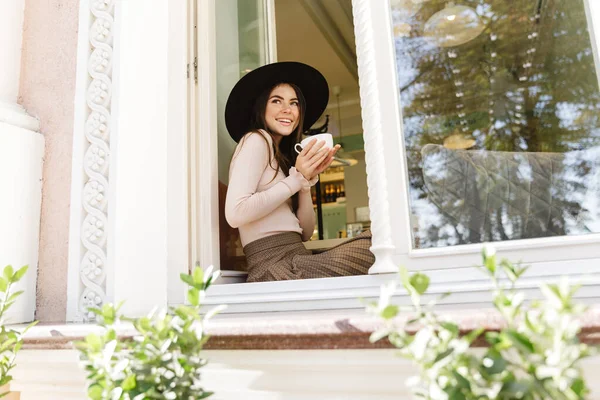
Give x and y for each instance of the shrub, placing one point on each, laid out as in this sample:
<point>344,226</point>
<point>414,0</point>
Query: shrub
<point>162,361</point>
<point>11,340</point>
<point>534,356</point>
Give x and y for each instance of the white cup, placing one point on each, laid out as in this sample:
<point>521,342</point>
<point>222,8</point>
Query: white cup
<point>326,137</point>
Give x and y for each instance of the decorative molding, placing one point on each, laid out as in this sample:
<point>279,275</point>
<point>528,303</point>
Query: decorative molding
<point>383,246</point>
<point>95,163</point>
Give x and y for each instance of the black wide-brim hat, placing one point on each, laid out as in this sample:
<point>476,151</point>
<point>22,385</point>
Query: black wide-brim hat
<point>240,104</point>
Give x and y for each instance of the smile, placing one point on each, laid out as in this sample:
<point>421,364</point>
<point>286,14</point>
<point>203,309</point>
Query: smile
<point>285,121</point>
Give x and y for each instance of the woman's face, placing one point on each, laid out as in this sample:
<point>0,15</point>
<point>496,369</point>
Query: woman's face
<point>283,111</point>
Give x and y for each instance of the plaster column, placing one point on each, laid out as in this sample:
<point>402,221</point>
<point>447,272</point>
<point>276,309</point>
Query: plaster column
<point>118,245</point>
<point>21,159</point>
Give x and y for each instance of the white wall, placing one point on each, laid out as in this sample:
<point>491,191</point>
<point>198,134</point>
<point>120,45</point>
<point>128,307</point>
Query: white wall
<point>256,375</point>
<point>21,159</point>
<point>355,184</point>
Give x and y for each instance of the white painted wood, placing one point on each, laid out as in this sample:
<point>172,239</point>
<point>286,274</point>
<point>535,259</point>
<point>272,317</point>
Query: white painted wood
<point>192,132</point>
<point>470,288</point>
<point>380,97</point>
<point>207,182</point>
<point>177,148</point>
<point>21,162</point>
<point>271,31</point>
<point>383,150</point>
<point>592,11</point>
<point>139,181</point>
<point>256,375</point>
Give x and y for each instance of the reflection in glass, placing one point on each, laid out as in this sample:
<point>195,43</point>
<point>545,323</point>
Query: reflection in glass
<point>454,25</point>
<point>502,132</point>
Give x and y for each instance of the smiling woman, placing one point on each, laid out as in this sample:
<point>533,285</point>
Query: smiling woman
<point>268,198</point>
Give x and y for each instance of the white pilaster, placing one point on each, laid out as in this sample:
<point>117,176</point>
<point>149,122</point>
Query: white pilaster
<point>21,159</point>
<point>118,241</point>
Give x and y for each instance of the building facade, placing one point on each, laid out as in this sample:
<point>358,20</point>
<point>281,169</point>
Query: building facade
<point>464,123</point>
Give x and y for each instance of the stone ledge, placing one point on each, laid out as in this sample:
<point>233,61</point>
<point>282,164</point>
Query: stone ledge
<point>291,332</point>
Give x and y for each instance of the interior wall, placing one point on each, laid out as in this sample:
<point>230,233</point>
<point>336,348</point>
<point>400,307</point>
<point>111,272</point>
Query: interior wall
<point>47,91</point>
<point>355,179</point>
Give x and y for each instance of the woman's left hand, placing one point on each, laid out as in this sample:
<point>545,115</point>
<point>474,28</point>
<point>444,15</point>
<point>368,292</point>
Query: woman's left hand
<point>326,162</point>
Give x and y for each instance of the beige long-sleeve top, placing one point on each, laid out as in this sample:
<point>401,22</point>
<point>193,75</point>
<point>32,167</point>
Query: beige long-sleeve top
<point>259,205</point>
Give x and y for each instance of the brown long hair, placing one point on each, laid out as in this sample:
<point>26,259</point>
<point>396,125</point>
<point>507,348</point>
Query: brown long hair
<point>284,153</point>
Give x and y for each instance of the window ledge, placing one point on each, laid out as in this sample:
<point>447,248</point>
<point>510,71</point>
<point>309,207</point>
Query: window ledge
<point>293,331</point>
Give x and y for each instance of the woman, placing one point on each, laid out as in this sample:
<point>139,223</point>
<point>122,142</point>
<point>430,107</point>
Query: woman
<point>268,197</point>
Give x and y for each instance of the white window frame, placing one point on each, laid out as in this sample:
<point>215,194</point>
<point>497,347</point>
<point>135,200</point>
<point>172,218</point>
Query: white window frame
<point>451,267</point>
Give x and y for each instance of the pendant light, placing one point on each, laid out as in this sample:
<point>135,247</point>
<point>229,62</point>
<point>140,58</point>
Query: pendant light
<point>341,159</point>
<point>454,25</point>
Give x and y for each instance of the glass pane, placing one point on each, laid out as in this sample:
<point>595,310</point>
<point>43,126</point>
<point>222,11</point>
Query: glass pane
<point>303,32</point>
<point>500,107</point>
<point>241,47</point>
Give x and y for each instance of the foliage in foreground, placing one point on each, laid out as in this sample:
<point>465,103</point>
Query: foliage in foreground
<point>535,356</point>
<point>11,340</point>
<point>162,361</point>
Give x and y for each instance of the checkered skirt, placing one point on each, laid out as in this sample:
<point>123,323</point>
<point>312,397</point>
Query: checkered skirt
<point>284,257</point>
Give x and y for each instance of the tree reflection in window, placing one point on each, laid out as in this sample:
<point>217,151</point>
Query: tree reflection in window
<point>515,117</point>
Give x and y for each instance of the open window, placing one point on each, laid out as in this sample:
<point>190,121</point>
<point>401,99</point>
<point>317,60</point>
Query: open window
<point>482,131</point>
<point>253,33</point>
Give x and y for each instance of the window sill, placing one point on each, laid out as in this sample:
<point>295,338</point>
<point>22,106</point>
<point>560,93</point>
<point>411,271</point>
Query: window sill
<point>293,331</point>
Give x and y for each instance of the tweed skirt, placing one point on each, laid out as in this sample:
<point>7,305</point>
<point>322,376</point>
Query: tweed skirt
<point>284,257</point>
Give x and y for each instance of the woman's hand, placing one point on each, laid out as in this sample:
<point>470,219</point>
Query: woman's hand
<point>310,158</point>
<point>327,161</point>
<point>314,159</point>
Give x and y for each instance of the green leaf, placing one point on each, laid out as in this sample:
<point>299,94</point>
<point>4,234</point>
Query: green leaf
<point>405,279</point>
<point>187,279</point>
<point>194,296</point>
<point>456,394</point>
<point>420,282</point>
<point>8,273</point>
<point>451,327</point>
<point>493,363</point>
<point>378,335</point>
<point>129,383</point>
<point>509,270</point>
<point>461,380</point>
<point>20,273</point>
<point>443,355</point>
<point>109,314</point>
<point>13,296</point>
<point>3,285</point>
<point>95,392</point>
<point>578,387</point>
<point>198,275</point>
<point>519,340</point>
<point>474,334</point>
<point>515,389</point>
<point>94,342</point>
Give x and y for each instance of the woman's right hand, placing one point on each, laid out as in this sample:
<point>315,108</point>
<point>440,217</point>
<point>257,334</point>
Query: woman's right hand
<point>311,157</point>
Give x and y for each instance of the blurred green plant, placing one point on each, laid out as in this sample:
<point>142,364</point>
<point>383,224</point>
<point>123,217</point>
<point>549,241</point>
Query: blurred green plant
<point>163,359</point>
<point>535,355</point>
<point>11,340</point>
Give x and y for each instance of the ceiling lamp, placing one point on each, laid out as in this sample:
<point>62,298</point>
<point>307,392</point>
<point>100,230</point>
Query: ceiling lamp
<point>454,25</point>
